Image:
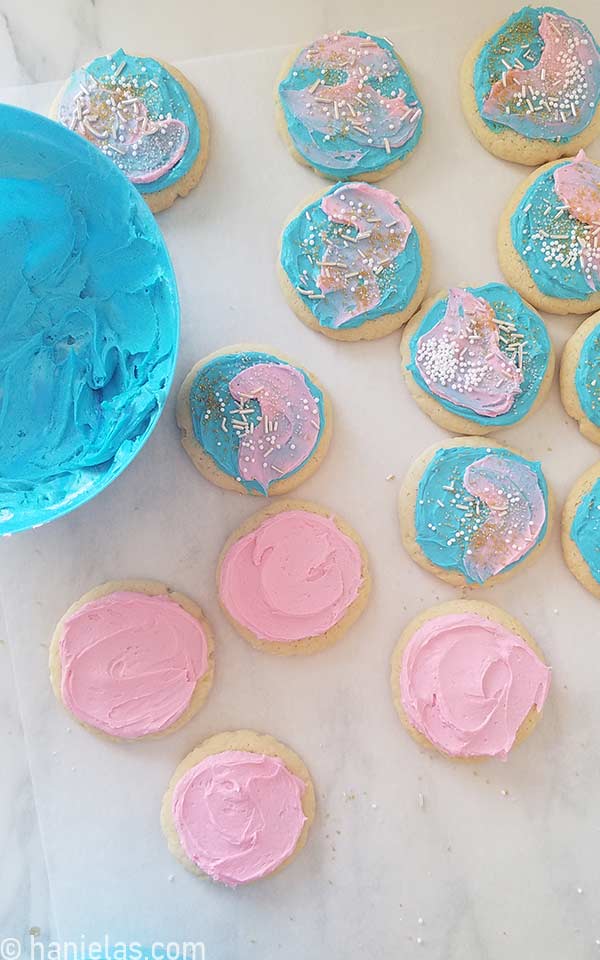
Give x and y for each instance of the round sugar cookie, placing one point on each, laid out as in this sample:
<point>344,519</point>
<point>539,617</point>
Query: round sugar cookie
<point>476,359</point>
<point>238,808</point>
<point>146,116</point>
<point>548,237</point>
<point>293,578</point>
<point>346,106</point>
<point>252,421</point>
<point>530,88</point>
<point>132,660</point>
<point>473,511</point>
<point>354,263</point>
<point>468,680</point>
<point>580,530</point>
<point>580,377</point>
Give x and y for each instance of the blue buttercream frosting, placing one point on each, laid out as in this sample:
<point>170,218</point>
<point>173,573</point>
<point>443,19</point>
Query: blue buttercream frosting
<point>90,321</point>
<point>303,248</point>
<point>585,529</point>
<point>508,307</point>
<point>587,376</point>
<point>545,236</point>
<point>447,515</point>
<point>345,153</point>
<point>164,99</point>
<point>212,406</point>
<point>519,39</point>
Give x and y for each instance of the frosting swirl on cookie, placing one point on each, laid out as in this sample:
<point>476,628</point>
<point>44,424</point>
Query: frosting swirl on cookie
<point>138,114</point>
<point>480,511</point>
<point>238,815</point>
<point>352,256</point>
<point>585,529</point>
<point>467,683</point>
<point>130,663</point>
<point>539,75</point>
<point>293,577</point>
<point>259,418</point>
<point>349,105</point>
<point>556,229</point>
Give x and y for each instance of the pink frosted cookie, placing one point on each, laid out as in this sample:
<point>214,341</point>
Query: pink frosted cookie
<point>293,578</point>
<point>238,807</point>
<point>132,660</point>
<point>468,680</point>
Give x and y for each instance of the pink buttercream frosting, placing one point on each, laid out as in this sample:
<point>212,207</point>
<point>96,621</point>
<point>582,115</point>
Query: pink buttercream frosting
<point>289,426</point>
<point>382,232</point>
<point>467,683</point>
<point>517,512</point>
<point>542,95</point>
<point>461,361</point>
<point>238,815</point>
<point>130,663</point>
<point>293,577</point>
<point>577,185</point>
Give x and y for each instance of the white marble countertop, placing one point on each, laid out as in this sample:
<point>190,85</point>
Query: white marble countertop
<point>495,859</point>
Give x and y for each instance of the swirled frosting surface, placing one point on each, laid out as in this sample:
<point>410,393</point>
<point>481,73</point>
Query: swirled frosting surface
<point>90,318</point>
<point>467,683</point>
<point>292,578</point>
<point>480,511</point>
<point>238,815</point>
<point>482,353</point>
<point>555,229</point>
<point>137,114</point>
<point>587,376</point>
<point>585,529</point>
<point>539,75</point>
<point>349,104</point>
<point>130,663</point>
<point>259,418</point>
<point>352,255</point>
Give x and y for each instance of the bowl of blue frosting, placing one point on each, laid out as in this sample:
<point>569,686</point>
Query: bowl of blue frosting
<point>89,315</point>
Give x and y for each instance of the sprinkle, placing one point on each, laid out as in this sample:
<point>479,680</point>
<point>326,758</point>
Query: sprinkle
<point>386,144</point>
<point>315,85</point>
<point>390,476</point>
<point>120,68</point>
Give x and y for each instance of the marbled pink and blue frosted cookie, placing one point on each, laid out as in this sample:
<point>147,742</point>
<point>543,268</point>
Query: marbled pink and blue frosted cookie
<point>347,108</point>
<point>531,88</point>
<point>354,263</point>
<point>253,422</point>
<point>472,511</point>
<point>144,115</point>
<point>477,358</point>
<point>549,237</point>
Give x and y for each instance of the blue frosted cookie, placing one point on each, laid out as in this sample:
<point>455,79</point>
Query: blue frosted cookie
<point>477,358</point>
<point>354,263</point>
<point>530,88</point>
<point>472,511</point>
<point>145,116</point>
<point>347,108</point>
<point>252,421</point>
<point>581,530</point>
